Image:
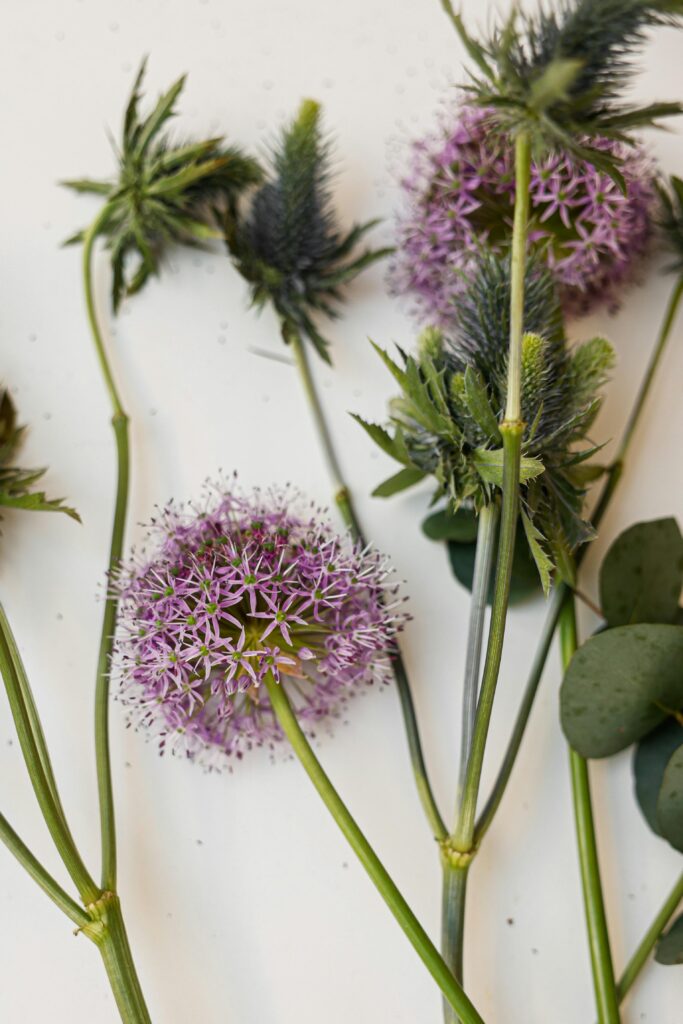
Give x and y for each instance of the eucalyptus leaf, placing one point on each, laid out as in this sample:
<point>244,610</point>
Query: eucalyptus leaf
<point>620,685</point>
<point>460,526</point>
<point>670,946</point>
<point>651,757</point>
<point>642,574</point>
<point>670,801</point>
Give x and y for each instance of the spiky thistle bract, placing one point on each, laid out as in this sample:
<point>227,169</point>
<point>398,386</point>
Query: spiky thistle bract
<point>16,484</point>
<point>671,195</point>
<point>166,191</point>
<point>560,73</point>
<point>288,245</point>
<point>445,423</point>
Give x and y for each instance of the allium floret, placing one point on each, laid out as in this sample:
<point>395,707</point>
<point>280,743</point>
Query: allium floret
<point>445,421</point>
<point>460,192</point>
<point>287,244</point>
<point>166,192</point>
<point>248,586</point>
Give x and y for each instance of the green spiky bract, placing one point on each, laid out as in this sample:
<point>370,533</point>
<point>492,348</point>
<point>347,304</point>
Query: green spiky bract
<point>560,74</point>
<point>166,192</point>
<point>445,423</point>
<point>287,245</point>
<point>17,485</point>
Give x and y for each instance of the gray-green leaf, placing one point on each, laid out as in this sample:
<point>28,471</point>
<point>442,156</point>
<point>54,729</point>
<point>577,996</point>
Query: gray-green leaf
<point>642,574</point>
<point>670,946</point>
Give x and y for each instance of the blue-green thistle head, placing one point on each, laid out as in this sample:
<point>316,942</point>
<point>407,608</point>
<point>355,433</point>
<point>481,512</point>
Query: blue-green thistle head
<point>560,74</point>
<point>445,422</point>
<point>166,192</point>
<point>287,244</point>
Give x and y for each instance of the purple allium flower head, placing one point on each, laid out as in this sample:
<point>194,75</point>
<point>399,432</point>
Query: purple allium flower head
<point>239,589</point>
<point>460,195</point>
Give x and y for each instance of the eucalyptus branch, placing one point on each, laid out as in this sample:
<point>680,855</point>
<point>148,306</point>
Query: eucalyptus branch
<point>598,936</point>
<point>120,426</point>
<point>650,939</point>
<point>421,942</point>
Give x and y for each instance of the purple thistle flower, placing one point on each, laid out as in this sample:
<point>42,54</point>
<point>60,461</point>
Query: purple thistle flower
<point>460,196</point>
<point>239,589</point>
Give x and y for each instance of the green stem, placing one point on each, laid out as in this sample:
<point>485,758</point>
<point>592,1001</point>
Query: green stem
<point>596,920</point>
<point>344,502</point>
<point>649,940</point>
<point>52,813</point>
<point>488,813</point>
<point>120,426</point>
<point>517,272</point>
<point>483,563</point>
<point>453,897</point>
<point>421,942</point>
<point>463,836</point>
<point>108,932</point>
<point>39,874</point>
<point>614,475</point>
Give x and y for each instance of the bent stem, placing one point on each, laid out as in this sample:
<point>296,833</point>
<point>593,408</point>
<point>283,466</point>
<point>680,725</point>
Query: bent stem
<point>614,475</point>
<point>344,502</point>
<point>649,940</point>
<point>596,920</point>
<point>421,942</point>
<point>120,426</point>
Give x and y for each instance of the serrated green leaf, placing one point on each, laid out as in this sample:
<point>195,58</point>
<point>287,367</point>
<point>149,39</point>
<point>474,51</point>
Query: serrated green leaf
<point>489,465</point>
<point>553,83</point>
<point>479,405</point>
<point>620,685</point>
<point>535,540</point>
<point>379,435</point>
<point>642,574</point>
<point>400,481</point>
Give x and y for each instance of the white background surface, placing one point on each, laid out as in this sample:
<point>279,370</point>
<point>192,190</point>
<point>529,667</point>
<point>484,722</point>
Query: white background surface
<point>243,903</point>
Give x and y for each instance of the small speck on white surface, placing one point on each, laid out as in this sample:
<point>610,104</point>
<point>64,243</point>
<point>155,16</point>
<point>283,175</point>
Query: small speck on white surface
<point>242,901</point>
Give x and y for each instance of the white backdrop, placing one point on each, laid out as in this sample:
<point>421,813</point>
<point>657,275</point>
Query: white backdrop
<point>244,904</point>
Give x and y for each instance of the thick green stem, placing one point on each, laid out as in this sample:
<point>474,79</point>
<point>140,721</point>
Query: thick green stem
<point>596,920</point>
<point>453,896</point>
<point>39,874</point>
<point>614,475</point>
<point>517,272</point>
<point>120,426</point>
<point>481,580</point>
<point>421,942</point>
<point>343,500</point>
<point>463,836</point>
<point>108,932</point>
<point>650,939</point>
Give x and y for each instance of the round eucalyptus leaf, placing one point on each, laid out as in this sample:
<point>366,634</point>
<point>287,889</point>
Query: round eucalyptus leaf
<point>619,686</point>
<point>460,526</point>
<point>642,574</point>
<point>670,802</point>
<point>670,946</point>
<point>525,580</point>
<point>651,757</point>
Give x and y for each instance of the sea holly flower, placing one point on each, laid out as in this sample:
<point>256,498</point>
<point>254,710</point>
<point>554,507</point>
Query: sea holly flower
<point>460,193</point>
<point>16,484</point>
<point>445,423</point>
<point>166,190</point>
<point>559,75</point>
<point>244,588</point>
<point>287,245</point>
